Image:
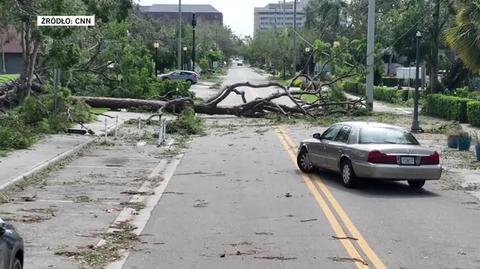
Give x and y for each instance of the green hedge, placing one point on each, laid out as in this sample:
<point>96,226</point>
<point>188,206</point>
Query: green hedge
<point>353,87</point>
<point>386,94</point>
<point>473,111</point>
<point>447,107</point>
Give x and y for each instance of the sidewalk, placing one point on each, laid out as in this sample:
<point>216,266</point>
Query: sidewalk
<point>54,148</point>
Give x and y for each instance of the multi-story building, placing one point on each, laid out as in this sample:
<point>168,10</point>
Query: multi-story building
<point>164,12</point>
<point>278,16</point>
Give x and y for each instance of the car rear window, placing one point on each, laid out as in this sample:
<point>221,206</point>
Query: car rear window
<point>379,135</point>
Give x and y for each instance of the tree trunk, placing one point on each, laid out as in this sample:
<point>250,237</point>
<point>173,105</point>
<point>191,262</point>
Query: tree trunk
<point>122,103</point>
<point>31,46</point>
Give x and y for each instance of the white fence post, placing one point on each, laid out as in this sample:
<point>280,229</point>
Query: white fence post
<point>116,127</point>
<point>106,131</point>
<point>162,132</point>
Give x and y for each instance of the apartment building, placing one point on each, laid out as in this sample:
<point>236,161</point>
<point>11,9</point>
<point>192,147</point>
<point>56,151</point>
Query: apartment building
<point>165,13</point>
<point>278,16</point>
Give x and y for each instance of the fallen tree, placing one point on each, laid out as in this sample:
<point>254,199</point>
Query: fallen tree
<point>258,107</point>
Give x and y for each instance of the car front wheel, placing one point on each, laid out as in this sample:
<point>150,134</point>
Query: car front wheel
<point>303,162</point>
<point>416,184</point>
<point>348,176</point>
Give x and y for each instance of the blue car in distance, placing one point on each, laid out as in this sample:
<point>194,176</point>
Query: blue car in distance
<point>187,76</point>
<point>11,247</point>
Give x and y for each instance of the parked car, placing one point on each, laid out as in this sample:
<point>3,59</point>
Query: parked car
<point>11,247</point>
<point>370,150</point>
<point>184,75</point>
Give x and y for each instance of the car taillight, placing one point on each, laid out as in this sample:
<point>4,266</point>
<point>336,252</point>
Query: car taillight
<point>432,159</point>
<point>378,157</point>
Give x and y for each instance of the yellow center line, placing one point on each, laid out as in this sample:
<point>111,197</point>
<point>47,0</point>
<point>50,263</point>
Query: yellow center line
<point>337,228</point>
<point>375,260</point>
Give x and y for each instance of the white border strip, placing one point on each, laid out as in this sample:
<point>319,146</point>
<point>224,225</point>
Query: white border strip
<point>141,220</point>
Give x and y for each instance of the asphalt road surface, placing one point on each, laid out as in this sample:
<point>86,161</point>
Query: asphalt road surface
<point>246,74</point>
<point>237,200</point>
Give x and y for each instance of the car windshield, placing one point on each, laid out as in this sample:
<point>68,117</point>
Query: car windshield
<point>382,135</point>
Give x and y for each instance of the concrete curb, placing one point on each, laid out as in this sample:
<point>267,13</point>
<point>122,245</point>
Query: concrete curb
<point>57,159</point>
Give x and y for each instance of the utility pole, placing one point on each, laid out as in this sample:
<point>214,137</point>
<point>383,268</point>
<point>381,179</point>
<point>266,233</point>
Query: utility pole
<point>284,17</point>
<point>415,122</point>
<point>294,37</point>
<point>179,56</point>
<point>216,32</point>
<point>156,45</point>
<point>194,24</point>
<point>370,53</point>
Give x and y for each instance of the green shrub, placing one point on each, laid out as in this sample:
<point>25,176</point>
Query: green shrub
<point>14,134</point>
<point>298,83</point>
<point>353,87</point>
<point>447,107</point>
<point>171,89</point>
<point>186,124</point>
<point>385,94</point>
<point>473,111</point>
<point>204,65</point>
<point>49,116</point>
<point>335,94</point>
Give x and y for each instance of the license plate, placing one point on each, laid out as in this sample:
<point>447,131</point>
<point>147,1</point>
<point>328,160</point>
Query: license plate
<point>407,160</point>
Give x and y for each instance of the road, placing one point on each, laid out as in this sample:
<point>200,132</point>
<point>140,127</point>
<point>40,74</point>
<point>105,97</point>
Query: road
<point>237,200</point>
<point>242,74</point>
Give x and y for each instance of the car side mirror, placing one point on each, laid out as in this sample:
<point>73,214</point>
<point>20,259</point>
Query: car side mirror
<point>317,136</point>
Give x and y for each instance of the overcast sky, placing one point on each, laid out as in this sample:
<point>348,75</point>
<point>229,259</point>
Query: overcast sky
<point>238,14</point>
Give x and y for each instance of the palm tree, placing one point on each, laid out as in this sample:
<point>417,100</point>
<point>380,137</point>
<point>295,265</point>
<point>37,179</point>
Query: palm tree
<point>464,38</point>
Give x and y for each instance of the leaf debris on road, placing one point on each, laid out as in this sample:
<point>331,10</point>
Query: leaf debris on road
<point>280,258</point>
<point>263,233</point>
<point>341,259</point>
<point>308,220</point>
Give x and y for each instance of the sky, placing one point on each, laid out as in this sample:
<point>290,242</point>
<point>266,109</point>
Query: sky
<point>238,14</point>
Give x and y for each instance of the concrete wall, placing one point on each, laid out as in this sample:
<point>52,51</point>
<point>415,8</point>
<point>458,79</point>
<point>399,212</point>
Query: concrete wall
<point>13,63</point>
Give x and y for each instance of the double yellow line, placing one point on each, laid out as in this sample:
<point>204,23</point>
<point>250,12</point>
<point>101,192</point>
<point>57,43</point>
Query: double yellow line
<point>334,213</point>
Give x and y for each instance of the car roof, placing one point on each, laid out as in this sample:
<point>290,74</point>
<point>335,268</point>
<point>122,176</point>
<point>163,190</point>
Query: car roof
<point>360,124</point>
<point>185,71</point>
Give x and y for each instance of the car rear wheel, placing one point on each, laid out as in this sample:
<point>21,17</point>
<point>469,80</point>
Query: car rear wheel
<point>17,264</point>
<point>348,176</point>
<point>303,162</point>
<point>416,184</point>
<point>189,81</point>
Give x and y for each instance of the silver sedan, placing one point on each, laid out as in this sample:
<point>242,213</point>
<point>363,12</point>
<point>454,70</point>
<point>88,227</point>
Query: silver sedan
<point>370,150</point>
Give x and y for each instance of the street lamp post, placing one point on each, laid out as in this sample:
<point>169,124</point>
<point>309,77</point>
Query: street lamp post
<point>185,58</point>
<point>194,24</point>
<point>416,123</point>
<point>156,45</point>
<point>179,60</point>
<point>294,37</point>
<point>307,66</point>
